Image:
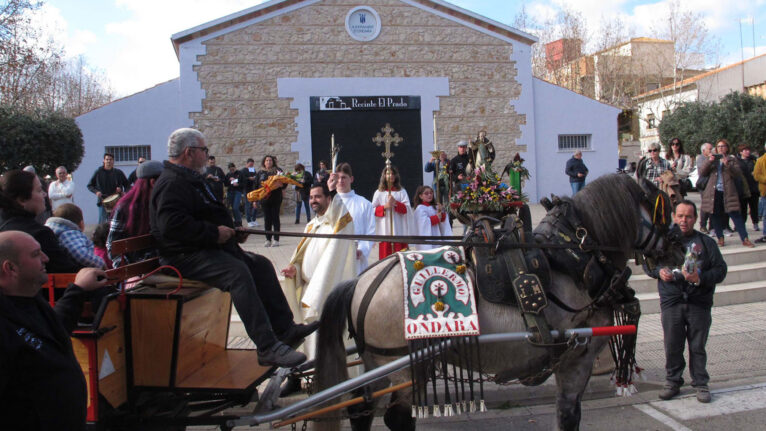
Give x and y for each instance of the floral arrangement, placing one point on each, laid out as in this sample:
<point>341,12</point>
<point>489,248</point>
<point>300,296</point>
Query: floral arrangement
<point>485,193</point>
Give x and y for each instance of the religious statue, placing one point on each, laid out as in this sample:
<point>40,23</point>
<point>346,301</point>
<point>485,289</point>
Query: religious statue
<point>481,151</point>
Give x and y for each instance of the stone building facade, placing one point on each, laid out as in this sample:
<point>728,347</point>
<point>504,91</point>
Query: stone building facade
<point>249,82</point>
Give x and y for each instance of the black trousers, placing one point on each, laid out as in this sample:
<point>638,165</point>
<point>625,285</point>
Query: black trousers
<point>682,323</point>
<point>271,218</point>
<point>752,203</point>
<point>252,282</point>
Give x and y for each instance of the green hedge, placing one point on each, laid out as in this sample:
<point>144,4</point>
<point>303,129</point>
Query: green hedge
<point>739,118</point>
<point>44,140</point>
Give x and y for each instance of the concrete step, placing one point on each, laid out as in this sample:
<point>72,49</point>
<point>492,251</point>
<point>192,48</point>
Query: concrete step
<point>740,293</point>
<point>755,272</point>
<point>733,255</point>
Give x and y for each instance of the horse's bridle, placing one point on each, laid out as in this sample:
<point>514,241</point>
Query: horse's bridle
<point>656,228</point>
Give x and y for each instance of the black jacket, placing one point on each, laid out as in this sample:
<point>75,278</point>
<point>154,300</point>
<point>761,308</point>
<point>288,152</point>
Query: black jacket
<point>216,186</point>
<point>457,166</point>
<point>248,184</point>
<point>42,386</point>
<point>712,269</point>
<point>185,215</point>
<point>576,166</point>
<point>24,221</point>
<point>746,166</point>
<point>107,182</point>
<point>307,181</point>
<point>240,187</point>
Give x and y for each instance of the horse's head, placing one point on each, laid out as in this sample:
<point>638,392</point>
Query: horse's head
<point>671,186</point>
<point>656,240</point>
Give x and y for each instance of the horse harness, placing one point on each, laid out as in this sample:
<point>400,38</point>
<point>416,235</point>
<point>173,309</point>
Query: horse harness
<point>529,268</point>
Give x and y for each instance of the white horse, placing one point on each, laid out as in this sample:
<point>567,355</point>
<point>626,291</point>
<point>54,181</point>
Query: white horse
<point>615,210</point>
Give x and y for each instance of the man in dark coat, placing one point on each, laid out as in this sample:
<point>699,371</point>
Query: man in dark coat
<point>215,178</point>
<point>686,297</point>
<point>459,164</point>
<point>105,182</point>
<point>42,386</point>
<point>747,165</point>
<point>577,171</point>
<point>195,234</point>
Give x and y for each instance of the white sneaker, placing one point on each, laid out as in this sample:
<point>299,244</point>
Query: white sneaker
<point>267,244</point>
<point>251,224</point>
<point>727,232</point>
<point>255,223</point>
<point>275,244</point>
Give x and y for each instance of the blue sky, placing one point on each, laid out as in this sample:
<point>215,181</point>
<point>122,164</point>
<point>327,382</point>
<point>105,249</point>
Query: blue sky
<point>129,40</point>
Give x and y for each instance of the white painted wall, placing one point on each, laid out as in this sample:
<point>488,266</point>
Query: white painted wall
<point>145,118</point>
<point>560,111</point>
<point>525,105</point>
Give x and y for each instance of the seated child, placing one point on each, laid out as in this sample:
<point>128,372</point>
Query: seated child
<point>99,243</point>
<point>67,223</point>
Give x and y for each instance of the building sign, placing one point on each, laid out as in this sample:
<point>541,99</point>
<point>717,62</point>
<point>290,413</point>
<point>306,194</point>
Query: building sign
<point>363,23</point>
<point>364,103</point>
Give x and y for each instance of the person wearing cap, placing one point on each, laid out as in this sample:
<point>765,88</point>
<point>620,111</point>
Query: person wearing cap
<point>131,214</point>
<point>577,171</point>
<point>459,164</point>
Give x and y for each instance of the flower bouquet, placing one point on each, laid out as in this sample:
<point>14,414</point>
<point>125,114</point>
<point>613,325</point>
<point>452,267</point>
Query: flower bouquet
<point>485,194</point>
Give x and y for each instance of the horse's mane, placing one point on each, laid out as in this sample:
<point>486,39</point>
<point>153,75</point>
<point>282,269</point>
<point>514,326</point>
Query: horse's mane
<point>609,209</point>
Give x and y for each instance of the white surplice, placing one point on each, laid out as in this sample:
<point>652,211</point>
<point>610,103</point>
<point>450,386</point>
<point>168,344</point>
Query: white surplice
<point>403,223</point>
<point>425,222</point>
<point>364,223</point>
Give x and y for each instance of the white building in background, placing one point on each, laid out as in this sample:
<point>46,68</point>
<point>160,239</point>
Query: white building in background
<point>748,76</point>
<point>254,81</point>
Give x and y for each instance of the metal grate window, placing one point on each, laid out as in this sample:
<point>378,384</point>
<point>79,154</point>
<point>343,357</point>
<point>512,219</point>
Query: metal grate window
<point>574,142</point>
<point>130,153</point>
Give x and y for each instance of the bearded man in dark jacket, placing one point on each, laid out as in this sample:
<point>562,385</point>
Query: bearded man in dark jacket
<point>195,234</point>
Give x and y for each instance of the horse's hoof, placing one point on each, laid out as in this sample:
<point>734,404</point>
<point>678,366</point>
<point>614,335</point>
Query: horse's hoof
<point>399,417</point>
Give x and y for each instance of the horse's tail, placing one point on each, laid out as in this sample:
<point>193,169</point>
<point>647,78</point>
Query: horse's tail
<point>330,350</point>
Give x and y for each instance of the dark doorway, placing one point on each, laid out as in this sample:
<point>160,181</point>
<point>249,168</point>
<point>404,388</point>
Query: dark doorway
<point>354,131</point>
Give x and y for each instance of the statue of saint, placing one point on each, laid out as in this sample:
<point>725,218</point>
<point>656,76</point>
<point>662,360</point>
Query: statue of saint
<point>482,151</point>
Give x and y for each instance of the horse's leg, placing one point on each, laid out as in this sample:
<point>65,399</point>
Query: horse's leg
<point>572,375</point>
<point>398,415</point>
<point>362,414</point>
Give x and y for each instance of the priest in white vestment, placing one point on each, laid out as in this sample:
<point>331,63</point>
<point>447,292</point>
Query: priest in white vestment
<point>392,210</point>
<point>360,209</point>
<point>318,264</point>
<point>430,219</point>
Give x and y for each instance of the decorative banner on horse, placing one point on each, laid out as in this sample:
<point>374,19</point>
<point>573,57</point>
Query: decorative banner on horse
<point>440,318</point>
<point>440,298</point>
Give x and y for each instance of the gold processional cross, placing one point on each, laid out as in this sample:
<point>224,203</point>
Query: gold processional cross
<point>387,139</point>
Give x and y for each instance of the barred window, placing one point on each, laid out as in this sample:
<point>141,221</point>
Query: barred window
<point>129,153</point>
<point>574,142</point>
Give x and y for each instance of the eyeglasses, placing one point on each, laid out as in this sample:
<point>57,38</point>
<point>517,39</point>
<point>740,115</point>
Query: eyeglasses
<point>205,149</point>
<point>653,151</point>
<point>675,143</point>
